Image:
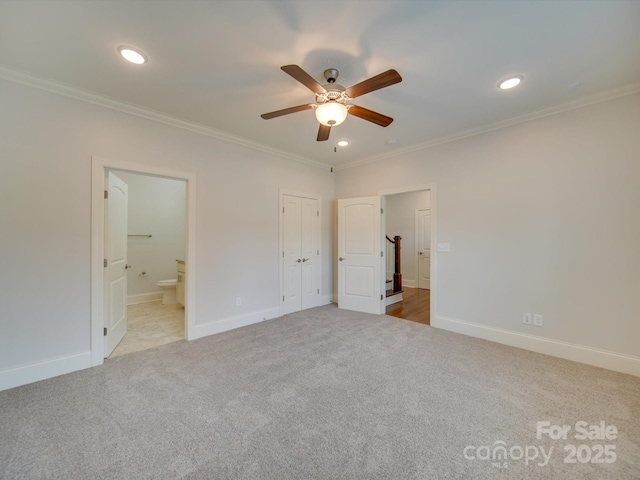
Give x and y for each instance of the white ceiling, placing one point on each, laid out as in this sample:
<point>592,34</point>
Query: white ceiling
<point>216,63</point>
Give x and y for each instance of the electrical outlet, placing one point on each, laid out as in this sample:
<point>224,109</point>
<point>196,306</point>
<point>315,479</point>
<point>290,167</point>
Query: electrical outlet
<point>538,320</point>
<point>526,318</point>
<point>239,302</point>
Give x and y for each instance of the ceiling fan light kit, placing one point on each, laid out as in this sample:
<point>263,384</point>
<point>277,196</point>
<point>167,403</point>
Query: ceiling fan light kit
<point>332,100</point>
<point>331,113</point>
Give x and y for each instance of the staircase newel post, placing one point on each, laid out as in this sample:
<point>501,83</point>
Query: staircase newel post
<point>397,276</point>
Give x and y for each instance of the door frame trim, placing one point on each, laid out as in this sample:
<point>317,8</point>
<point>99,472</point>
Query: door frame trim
<point>431,187</point>
<point>98,167</point>
<point>294,193</point>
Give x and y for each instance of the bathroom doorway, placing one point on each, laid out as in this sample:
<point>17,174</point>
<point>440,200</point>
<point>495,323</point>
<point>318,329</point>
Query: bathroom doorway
<point>142,300</point>
<point>155,261</point>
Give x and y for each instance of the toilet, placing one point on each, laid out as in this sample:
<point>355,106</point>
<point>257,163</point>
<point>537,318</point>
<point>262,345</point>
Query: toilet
<point>168,291</point>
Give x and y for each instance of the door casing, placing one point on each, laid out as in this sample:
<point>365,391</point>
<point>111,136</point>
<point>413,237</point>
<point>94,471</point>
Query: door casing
<point>99,165</point>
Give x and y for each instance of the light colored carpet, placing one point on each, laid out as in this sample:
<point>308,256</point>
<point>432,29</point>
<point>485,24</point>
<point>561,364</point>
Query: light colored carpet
<point>320,394</point>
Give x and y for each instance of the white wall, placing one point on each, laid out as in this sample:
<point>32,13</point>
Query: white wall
<point>47,142</point>
<point>542,217</point>
<point>157,206</point>
<point>400,220</point>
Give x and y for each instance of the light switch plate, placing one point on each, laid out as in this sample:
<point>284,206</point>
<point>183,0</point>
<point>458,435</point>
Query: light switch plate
<point>444,247</point>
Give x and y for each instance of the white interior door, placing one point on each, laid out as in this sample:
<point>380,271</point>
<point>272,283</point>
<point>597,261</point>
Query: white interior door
<point>310,251</point>
<point>115,281</point>
<point>423,247</point>
<point>292,253</point>
<point>360,254</point>
<point>301,253</point>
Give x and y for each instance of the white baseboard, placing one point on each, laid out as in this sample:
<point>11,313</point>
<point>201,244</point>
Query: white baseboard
<point>326,300</point>
<point>34,372</point>
<point>231,323</point>
<point>143,298</point>
<point>408,283</point>
<point>556,348</point>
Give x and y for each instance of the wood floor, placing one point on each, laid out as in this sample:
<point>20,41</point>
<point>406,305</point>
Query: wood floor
<point>415,306</point>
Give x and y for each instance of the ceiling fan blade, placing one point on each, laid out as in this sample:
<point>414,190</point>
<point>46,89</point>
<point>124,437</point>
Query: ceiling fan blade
<point>382,80</point>
<point>370,115</point>
<point>323,133</point>
<point>304,78</point>
<point>286,111</point>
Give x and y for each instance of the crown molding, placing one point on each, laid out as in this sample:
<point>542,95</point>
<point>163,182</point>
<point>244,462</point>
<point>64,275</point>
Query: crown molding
<point>52,86</point>
<point>526,117</point>
<point>87,96</point>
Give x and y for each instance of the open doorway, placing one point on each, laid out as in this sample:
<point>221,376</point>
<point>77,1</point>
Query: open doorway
<point>103,258</point>
<point>155,261</point>
<point>408,266</point>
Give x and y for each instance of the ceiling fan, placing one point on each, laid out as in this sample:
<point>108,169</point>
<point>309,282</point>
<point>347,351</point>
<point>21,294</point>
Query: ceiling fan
<point>332,99</point>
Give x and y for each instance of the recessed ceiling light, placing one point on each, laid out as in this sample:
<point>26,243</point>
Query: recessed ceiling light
<point>343,143</point>
<point>132,55</point>
<point>510,82</point>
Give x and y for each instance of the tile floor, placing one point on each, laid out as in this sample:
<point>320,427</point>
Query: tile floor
<point>150,325</point>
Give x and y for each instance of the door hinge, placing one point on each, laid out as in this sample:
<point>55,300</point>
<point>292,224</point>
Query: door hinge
<point>317,252</point>
<point>381,211</point>
<point>381,298</point>
<point>318,212</point>
<point>105,331</point>
<point>282,209</point>
<point>381,254</point>
<point>105,262</point>
<point>106,194</point>
<point>318,291</point>
<point>283,298</point>
<point>282,254</point>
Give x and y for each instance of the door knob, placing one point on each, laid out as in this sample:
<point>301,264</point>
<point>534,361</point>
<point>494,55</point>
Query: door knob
<point>298,260</point>
<point>305,259</point>
<point>419,253</point>
<point>341,259</point>
<point>127,266</point>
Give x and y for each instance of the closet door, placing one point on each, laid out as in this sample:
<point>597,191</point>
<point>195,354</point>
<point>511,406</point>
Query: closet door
<point>292,254</point>
<point>300,222</point>
<point>310,226</point>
